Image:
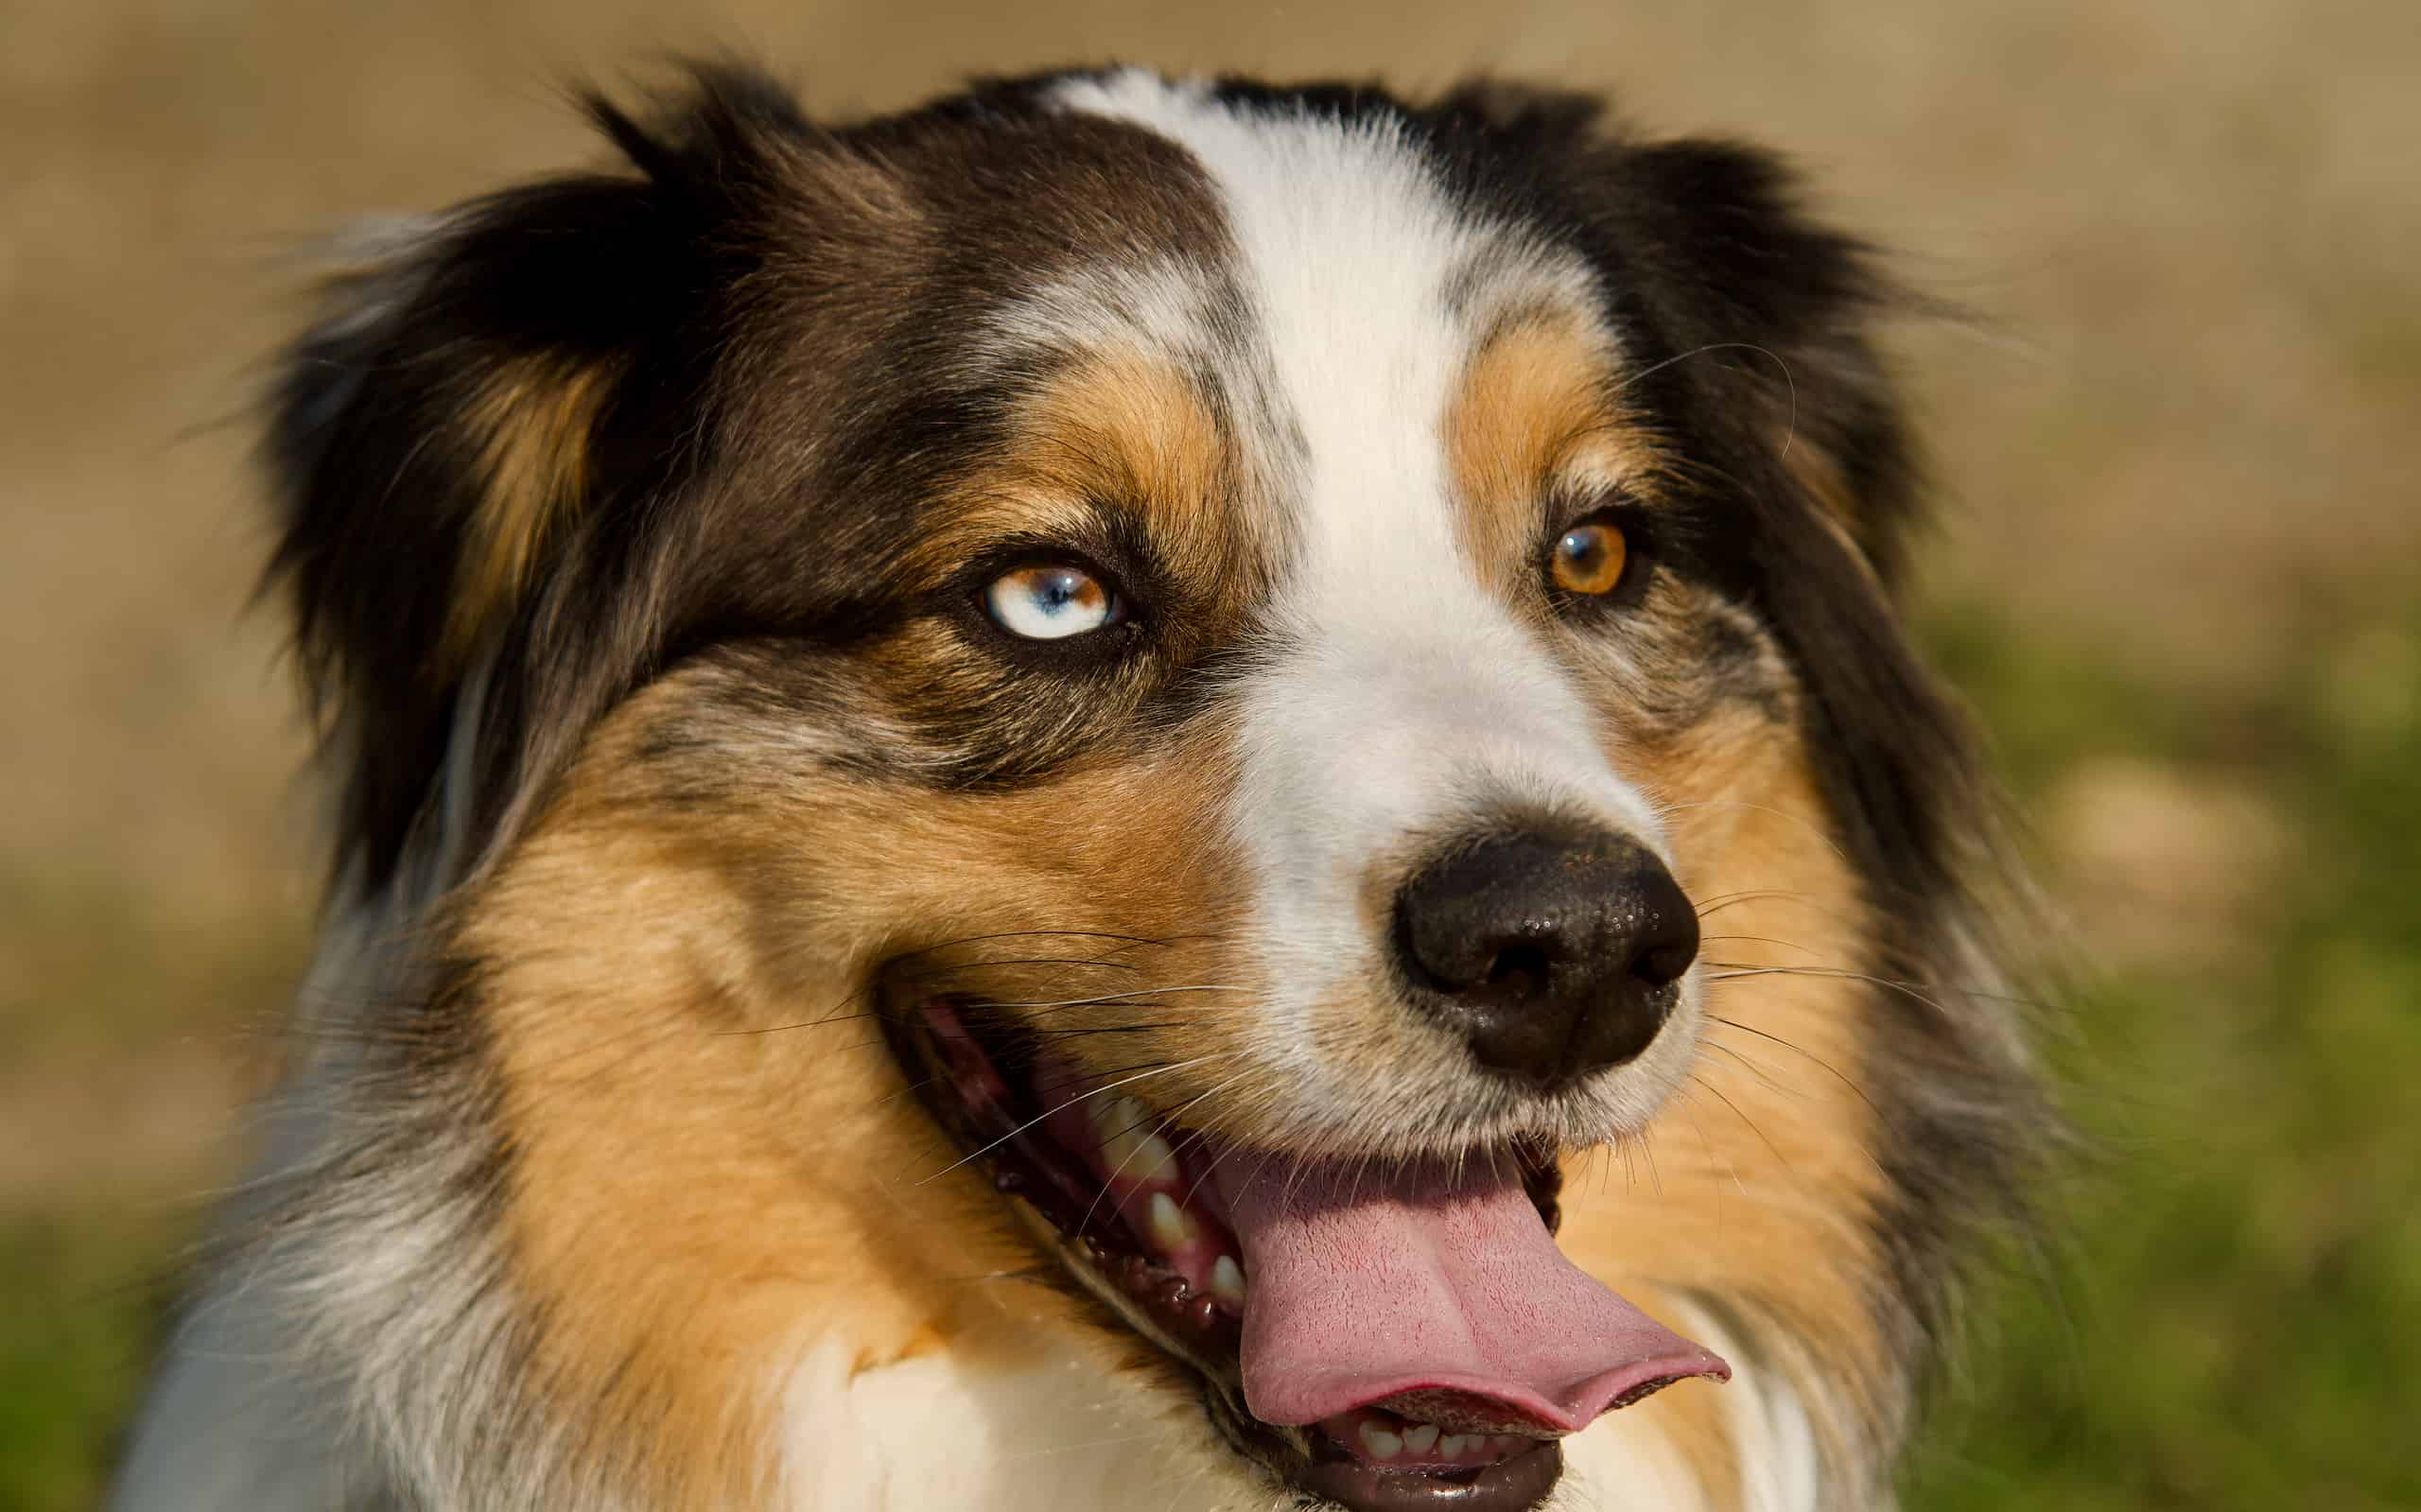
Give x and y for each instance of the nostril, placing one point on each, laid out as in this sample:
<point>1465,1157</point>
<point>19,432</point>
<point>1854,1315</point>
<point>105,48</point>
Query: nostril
<point>1553,952</point>
<point>1664,933</point>
<point>1664,966</point>
<point>1518,971</point>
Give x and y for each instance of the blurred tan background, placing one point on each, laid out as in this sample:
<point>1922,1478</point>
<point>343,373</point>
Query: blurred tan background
<point>2179,578</point>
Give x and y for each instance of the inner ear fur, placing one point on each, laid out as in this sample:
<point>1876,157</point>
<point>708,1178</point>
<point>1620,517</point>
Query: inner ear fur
<point>484,409</point>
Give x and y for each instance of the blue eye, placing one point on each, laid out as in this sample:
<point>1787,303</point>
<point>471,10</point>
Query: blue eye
<point>1050,602</point>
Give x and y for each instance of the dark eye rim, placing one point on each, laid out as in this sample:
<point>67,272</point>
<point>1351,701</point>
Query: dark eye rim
<point>1113,640</point>
<point>1639,559</point>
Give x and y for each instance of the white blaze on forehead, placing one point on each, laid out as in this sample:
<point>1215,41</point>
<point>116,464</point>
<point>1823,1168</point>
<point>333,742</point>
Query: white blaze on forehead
<point>1106,304</point>
<point>1408,699</point>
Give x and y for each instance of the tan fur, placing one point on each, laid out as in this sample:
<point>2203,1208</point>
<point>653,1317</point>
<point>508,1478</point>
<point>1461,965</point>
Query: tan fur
<point>1533,415</point>
<point>1816,471</point>
<point>532,423</point>
<point>1126,430</point>
<point>1755,1183</point>
<point>711,1143</point>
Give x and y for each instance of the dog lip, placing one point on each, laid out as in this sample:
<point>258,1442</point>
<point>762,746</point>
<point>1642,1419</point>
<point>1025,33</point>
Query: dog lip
<point>957,1077</point>
<point>1517,1483</point>
<point>1512,1484</point>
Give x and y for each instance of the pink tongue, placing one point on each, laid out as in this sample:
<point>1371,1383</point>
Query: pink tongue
<point>1360,1286</point>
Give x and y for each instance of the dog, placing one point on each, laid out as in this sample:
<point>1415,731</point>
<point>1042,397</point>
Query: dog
<point>1123,794</point>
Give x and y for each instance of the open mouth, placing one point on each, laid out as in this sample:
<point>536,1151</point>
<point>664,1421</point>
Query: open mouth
<point>1387,1340</point>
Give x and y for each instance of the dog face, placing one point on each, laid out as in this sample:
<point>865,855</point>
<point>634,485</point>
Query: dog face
<point>1196,684</point>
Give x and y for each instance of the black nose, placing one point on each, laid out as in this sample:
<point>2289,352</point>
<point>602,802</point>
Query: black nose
<point>1556,954</point>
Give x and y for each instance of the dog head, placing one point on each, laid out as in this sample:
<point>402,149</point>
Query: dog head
<point>1197,683</point>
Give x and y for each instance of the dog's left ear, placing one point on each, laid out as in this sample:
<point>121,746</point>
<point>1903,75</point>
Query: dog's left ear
<point>1712,244</point>
<point>470,449</point>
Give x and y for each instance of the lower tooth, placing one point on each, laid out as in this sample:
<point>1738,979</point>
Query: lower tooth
<point>1382,1444</point>
<point>1227,1281</point>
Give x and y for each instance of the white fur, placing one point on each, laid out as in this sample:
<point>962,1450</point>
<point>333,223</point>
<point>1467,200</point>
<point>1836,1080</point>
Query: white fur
<point>1060,1434</point>
<point>1622,1462</point>
<point>1405,703</point>
<point>1104,306</point>
<point>1773,1440</point>
<point>245,1415</point>
<point>1056,1433</point>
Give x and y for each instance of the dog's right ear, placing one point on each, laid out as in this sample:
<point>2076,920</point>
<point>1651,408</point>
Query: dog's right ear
<point>1721,227</point>
<point>487,402</point>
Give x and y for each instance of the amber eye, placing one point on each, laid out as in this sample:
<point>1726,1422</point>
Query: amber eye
<point>1049,600</point>
<point>1589,559</point>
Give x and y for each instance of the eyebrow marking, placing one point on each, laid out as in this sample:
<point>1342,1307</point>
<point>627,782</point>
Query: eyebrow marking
<point>1535,412</point>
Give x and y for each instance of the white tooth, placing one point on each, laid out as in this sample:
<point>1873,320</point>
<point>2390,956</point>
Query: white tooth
<point>1382,1444</point>
<point>1128,1146</point>
<point>1417,1440</point>
<point>1139,1156</point>
<point>1227,1281</point>
<point>1154,1159</point>
<point>1170,1228</point>
<point>1451,1444</point>
<point>1506,1443</point>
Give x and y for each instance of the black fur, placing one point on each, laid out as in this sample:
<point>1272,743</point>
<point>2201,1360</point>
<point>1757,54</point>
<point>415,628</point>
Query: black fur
<point>784,404</point>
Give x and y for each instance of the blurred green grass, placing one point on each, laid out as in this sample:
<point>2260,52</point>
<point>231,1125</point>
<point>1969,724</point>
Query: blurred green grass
<point>2226,1314</point>
<point>2229,1312</point>
<point>106,1155</point>
<point>73,1352</point>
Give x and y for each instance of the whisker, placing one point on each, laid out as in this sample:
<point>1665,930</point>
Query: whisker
<point>1757,1068</point>
<point>1771,1148</point>
<point>1724,900</point>
<point>1261,1160</point>
<point>1114,997</point>
<point>1759,939</point>
<point>1020,961</point>
<point>1728,971</point>
<point>804,1023</point>
<point>1788,818</point>
<point>1047,935</point>
<point>1157,1070</point>
<point>1962,990</point>
<point>1199,1138</point>
<point>1791,429</point>
<point>830,1015</point>
<point>1802,1051</point>
<point>1688,1105</point>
